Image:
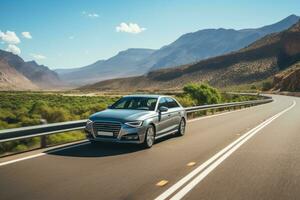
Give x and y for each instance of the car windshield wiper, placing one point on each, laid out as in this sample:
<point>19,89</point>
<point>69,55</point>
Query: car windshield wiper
<point>143,108</point>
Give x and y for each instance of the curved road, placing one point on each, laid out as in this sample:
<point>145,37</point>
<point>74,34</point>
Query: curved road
<point>253,153</point>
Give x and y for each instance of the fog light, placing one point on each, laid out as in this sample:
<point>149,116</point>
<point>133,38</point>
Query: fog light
<point>131,137</point>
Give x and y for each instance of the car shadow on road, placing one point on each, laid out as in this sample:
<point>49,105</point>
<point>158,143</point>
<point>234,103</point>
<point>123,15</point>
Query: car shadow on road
<point>102,149</point>
<point>97,150</point>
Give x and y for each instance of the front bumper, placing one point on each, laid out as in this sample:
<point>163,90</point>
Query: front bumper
<point>126,135</point>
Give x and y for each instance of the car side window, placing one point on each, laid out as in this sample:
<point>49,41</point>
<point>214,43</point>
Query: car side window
<point>163,102</point>
<point>121,103</point>
<point>172,103</point>
<point>151,103</point>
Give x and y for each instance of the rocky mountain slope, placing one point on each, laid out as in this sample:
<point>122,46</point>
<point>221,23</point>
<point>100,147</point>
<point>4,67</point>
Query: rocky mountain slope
<point>11,79</point>
<point>260,60</point>
<point>288,80</point>
<point>125,63</point>
<point>39,75</point>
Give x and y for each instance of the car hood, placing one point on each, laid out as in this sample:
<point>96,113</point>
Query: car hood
<point>122,115</point>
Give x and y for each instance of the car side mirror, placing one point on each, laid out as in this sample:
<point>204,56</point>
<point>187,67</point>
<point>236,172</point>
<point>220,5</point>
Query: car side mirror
<point>163,109</point>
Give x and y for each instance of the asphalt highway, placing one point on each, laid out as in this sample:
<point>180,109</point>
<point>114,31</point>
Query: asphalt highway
<point>252,153</point>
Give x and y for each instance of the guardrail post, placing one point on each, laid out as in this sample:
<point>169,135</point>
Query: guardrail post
<point>43,141</point>
<point>43,137</point>
<point>192,115</point>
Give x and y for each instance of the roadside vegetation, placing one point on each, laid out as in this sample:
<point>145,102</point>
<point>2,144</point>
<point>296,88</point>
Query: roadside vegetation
<point>20,109</point>
<point>258,86</point>
<point>202,94</point>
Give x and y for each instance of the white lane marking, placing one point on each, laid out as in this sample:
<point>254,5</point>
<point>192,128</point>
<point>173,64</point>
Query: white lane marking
<point>225,113</point>
<point>219,156</point>
<point>42,154</point>
<point>20,159</point>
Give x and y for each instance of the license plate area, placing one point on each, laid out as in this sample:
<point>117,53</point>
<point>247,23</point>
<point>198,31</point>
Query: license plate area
<point>104,133</point>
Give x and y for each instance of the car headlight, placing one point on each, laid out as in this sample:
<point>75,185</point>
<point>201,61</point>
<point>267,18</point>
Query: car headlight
<point>134,124</point>
<point>89,125</point>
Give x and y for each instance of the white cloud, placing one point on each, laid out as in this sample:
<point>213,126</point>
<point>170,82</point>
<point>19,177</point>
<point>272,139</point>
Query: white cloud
<point>130,28</point>
<point>38,56</point>
<point>27,35</point>
<point>93,15</point>
<point>9,37</point>
<point>90,15</point>
<point>13,49</point>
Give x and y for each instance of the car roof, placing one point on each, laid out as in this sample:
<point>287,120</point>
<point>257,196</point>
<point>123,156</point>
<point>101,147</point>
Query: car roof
<point>146,95</point>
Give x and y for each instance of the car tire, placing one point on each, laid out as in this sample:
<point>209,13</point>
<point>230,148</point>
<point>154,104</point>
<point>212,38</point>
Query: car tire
<point>149,137</point>
<point>181,128</point>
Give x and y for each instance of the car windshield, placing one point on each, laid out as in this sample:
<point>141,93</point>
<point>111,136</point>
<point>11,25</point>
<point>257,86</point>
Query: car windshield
<point>135,103</point>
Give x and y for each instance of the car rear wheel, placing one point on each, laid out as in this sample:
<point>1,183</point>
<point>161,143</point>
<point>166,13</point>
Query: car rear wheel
<point>150,137</point>
<point>181,128</point>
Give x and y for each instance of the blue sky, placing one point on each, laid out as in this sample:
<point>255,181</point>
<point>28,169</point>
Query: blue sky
<point>75,33</point>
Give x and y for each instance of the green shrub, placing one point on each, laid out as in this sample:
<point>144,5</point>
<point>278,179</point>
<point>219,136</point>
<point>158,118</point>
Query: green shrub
<point>20,147</point>
<point>202,93</point>
<point>65,137</point>
<point>253,87</point>
<point>186,101</point>
<point>267,85</point>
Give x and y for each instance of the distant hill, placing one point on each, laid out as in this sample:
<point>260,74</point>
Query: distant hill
<point>38,75</point>
<point>262,59</point>
<point>125,63</point>
<point>11,79</point>
<point>188,48</point>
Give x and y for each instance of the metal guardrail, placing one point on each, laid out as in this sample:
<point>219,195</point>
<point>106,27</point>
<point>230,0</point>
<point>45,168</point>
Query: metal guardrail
<point>40,130</point>
<point>226,105</point>
<point>47,129</point>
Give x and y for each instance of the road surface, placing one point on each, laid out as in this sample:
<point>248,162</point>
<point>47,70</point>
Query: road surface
<point>253,153</point>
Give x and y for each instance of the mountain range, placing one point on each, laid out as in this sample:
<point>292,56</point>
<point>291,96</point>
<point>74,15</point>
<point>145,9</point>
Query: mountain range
<point>271,55</point>
<point>188,48</point>
<point>159,66</point>
<point>125,63</point>
<point>16,74</point>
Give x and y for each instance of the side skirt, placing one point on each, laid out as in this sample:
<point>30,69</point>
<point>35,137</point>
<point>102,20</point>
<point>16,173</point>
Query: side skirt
<point>165,134</point>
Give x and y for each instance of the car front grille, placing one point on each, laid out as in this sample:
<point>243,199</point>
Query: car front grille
<point>113,127</point>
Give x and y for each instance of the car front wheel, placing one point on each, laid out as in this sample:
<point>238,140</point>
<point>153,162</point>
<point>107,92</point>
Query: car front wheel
<point>150,137</point>
<point>181,128</point>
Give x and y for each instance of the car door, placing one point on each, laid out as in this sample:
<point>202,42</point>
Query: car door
<point>164,120</point>
<point>174,113</point>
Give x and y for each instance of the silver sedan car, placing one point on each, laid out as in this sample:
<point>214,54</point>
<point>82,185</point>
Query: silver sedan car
<point>139,119</point>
